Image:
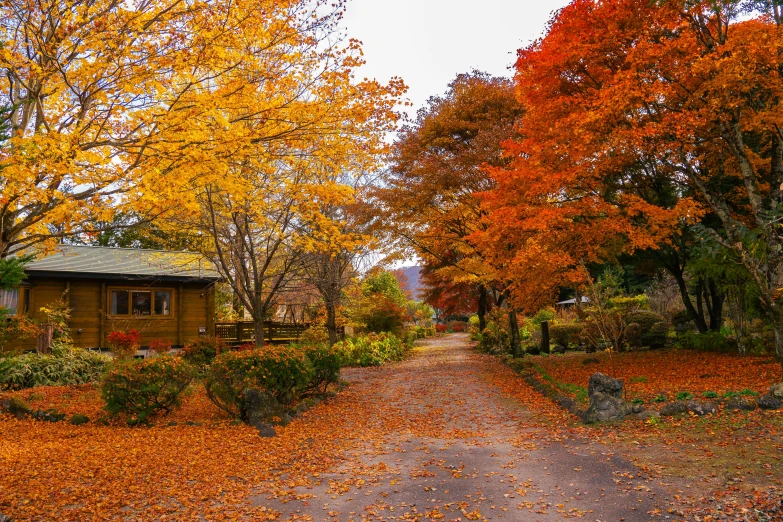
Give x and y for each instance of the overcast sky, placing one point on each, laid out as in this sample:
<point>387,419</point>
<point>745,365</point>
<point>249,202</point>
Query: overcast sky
<point>428,42</point>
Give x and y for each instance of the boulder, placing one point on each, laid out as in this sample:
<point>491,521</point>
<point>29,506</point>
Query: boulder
<point>648,414</point>
<point>606,407</point>
<point>701,408</point>
<point>50,415</point>
<point>769,402</point>
<point>558,349</point>
<point>261,407</point>
<point>741,403</point>
<point>590,360</point>
<point>265,430</point>
<point>5,518</point>
<point>776,390</point>
<point>533,350</point>
<point>16,407</point>
<point>637,408</point>
<point>674,408</point>
<point>600,383</point>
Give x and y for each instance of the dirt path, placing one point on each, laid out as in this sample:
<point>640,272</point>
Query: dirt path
<point>439,442</point>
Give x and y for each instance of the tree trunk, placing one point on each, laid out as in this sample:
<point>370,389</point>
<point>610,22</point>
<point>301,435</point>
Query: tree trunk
<point>701,324</point>
<point>331,323</point>
<point>513,326</point>
<point>716,309</point>
<point>258,330</point>
<point>482,307</point>
<point>545,348</point>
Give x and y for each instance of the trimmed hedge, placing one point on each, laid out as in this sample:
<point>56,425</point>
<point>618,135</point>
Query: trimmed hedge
<point>566,334</point>
<point>281,371</point>
<point>141,388</point>
<point>371,350</point>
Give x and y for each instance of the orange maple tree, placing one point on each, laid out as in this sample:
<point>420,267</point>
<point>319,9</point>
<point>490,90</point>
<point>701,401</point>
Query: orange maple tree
<point>655,115</point>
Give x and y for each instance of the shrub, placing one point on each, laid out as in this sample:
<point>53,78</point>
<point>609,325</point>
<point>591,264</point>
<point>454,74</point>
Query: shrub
<point>441,328</point>
<point>281,371</point>
<point>657,336</point>
<point>158,347</point>
<point>316,334</point>
<point>325,361</point>
<point>66,365</point>
<point>201,352</point>
<point>710,395</point>
<point>706,342</point>
<point>684,396</point>
<point>545,314</point>
<point>429,331</point>
<point>633,335</point>
<point>494,339</point>
<point>645,319</point>
<point>371,350</point>
<point>141,388</point>
<point>124,344</point>
<point>565,334</point>
<point>457,326</point>
<point>78,419</point>
<point>411,336</point>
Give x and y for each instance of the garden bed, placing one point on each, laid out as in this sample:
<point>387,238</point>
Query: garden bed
<point>659,376</point>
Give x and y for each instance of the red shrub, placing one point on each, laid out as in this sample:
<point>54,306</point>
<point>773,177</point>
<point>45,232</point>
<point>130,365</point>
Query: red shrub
<point>159,346</point>
<point>124,344</point>
<point>440,328</point>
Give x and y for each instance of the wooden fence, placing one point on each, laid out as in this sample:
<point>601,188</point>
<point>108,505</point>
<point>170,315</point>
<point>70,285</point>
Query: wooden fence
<point>241,332</point>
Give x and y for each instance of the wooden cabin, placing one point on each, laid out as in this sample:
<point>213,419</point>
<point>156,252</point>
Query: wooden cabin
<point>164,295</point>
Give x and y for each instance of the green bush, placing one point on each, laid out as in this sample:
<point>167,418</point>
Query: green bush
<point>545,314</point>
<point>141,388</point>
<point>494,339</point>
<point>644,319</point>
<point>633,335</point>
<point>371,350</point>
<point>565,334</point>
<point>411,336</point>
<point>201,352</point>
<point>316,334</point>
<point>65,366</point>
<point>657,336</point>
<point>706,342</point>
<point>325,362</point>
<point>281,371</point>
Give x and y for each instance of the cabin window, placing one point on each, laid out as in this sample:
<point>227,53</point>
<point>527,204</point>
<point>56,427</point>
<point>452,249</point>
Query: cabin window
<point>18,300</point>
<point>163,303</point>
<point>141,303</point>
<point>10,299</point>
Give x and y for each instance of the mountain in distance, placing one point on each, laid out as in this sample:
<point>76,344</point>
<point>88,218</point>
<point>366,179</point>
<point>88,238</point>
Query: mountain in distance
<point>409,278</point>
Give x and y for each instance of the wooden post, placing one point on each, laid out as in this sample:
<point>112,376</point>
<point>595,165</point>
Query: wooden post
<point>544,336</point>
<point>102,313</point>
<point>269,331</point>
<point>239,332</point>
<point>44,342</point>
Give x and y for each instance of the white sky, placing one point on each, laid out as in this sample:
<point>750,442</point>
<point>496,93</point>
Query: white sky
<point>428,42</point>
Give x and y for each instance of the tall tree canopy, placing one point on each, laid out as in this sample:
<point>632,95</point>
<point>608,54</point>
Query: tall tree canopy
<point>429,199</point>
<point>658,113</point>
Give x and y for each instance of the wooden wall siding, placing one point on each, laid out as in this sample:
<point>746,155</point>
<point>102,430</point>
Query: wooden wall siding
<point>193,307</point>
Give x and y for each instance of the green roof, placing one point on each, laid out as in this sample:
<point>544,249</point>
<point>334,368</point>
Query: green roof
<point>130,263</point>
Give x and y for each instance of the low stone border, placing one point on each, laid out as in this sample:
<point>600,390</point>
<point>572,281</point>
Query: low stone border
<point>770,401</point>
<point>527,372</point>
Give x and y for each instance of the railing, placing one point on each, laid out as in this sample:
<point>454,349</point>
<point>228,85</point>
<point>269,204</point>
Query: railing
<point>241,332</point>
